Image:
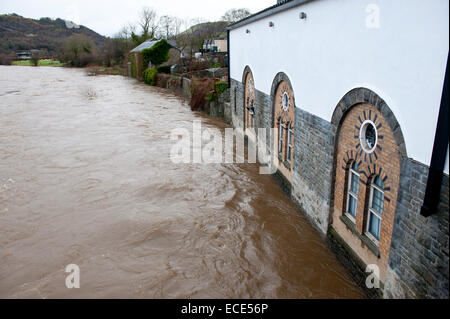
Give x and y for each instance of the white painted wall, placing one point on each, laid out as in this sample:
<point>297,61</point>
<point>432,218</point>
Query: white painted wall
<point>333,51</point>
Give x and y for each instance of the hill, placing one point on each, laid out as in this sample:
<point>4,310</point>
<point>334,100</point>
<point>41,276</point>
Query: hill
<point>208,29</point>
<point>22,34</point>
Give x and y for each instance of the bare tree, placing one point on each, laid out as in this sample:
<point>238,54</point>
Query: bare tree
<point>165,26</point>
<point>178,25</point>
<point>170,26</point>
<point>148,22</point>
<point>234,15</point>
<point>79,50</point>
<point>126,31</point>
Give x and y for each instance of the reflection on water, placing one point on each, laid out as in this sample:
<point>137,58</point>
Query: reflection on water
<point>85,178</point>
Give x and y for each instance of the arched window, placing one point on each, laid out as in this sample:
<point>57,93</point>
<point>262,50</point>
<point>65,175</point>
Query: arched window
<point>249,101</point>
<point>375,213</point>
<point>284,123</point>
<point>352,191</point>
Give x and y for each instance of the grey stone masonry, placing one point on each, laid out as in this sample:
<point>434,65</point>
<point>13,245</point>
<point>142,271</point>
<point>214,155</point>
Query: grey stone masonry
<point>418,263</point>
<point>237,103</point>
<point>313,163</point>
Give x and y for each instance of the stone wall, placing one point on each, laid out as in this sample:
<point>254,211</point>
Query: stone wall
<point>418,264</point>
<point>218,107</point>
<point>237,103</point>
<point>313,162</point>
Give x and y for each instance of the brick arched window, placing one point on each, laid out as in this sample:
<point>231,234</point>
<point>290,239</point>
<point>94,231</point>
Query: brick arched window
<point>249,107</point>
<point>369,136</point>
<point>284,113</point>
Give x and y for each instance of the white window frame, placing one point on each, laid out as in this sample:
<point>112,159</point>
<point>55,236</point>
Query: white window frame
<point>362,136</point>
<point>373,186</point>
<point>350,193</point>
<point>252,115</point>
<point>280,137</point>
<point>290,134</point>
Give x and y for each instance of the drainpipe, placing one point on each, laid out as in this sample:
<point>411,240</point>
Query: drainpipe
<point>229,58</point>
<point>438,158</point>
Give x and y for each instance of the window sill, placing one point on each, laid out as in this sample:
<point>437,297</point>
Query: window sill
<point>364,239</point>
<point>287,165</point>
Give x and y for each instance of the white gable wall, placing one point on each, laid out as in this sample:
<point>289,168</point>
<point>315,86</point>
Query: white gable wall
<point>332,52</point>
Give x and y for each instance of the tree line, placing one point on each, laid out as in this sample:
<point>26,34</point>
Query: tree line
<point>80,50</point>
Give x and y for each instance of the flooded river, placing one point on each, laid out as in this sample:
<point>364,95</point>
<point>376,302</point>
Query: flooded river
<point>86,179</point>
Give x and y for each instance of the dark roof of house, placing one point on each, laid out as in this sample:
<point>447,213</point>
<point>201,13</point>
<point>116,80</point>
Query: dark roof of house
<point>149,43</point>
<point>279,7</point>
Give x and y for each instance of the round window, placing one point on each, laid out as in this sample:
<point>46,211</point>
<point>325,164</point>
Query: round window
<point>285,101</point>
<point>368,136</point>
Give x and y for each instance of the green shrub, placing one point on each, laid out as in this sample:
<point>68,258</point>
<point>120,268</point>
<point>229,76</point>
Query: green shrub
<point>211,96</point>
<point>221,87</point>
<point>164,69</point>
<point>157,54</point>
<point>149,76</point>
<point>216,65</point>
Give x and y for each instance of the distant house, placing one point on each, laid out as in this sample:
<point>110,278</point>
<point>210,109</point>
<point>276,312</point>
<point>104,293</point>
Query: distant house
<point>136,60</point>
<point>215,45</point>
<point>24,55</point>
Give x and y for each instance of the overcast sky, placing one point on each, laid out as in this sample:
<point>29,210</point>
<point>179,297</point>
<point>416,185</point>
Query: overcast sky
<point>107,17</point>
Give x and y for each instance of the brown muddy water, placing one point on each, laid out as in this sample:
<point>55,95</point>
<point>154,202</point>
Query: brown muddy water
<point>86,179</point>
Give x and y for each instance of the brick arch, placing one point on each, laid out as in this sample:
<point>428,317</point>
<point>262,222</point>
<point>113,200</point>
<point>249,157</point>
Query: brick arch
<point>247,70</point>
<point>386,160</point>
<point>364,95</point>
<point>279,78</point>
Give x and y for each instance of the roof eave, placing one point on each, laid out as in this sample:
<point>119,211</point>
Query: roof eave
<point>267,12</point>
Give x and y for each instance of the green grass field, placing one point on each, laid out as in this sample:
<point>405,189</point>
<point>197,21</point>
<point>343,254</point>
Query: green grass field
<point>45,62</point>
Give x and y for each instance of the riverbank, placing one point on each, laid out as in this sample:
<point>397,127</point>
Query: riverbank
<point>43,62</point>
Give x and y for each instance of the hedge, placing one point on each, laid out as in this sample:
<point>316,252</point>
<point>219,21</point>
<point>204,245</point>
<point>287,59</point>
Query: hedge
<point>149,76</point>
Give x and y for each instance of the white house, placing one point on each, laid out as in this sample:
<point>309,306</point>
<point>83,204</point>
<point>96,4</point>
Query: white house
<point>355,90</point>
